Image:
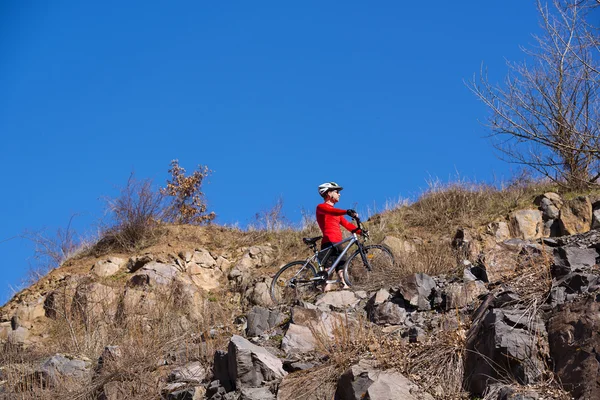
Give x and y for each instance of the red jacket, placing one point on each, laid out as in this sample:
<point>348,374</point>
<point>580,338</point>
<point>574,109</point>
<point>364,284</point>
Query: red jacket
<point>329,219</point>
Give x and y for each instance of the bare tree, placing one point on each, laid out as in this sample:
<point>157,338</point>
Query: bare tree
<point>545,115</point>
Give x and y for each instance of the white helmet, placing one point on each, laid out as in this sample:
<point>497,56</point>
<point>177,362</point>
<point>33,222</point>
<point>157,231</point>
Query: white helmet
<point>327,186</point>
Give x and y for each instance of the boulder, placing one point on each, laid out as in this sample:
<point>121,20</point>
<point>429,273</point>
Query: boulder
<point>596,219</point>
<point>251,365</point>
<point>550,204</point>
<point>364,381</point>
<point>576,216</point>
<point>499,230</point>
<point>61,369</point>
<point>526,224</point>
<point>261,393</point>
<point>388,313</point>
<point>339,300</point>
<point>466,244</point>
<point>261,320</point>
<point>500,262</point>
<point>417,290</point>
<point>205,278</point>
<point>570,259</point>
<point>137,262</point>
<point>504,344</point>
<point>107,267</point>
<point>203,259</point>
<point>459,295</point>
<point>154,274</point>
<point>399,247</point>
<point>95,302</point>
<point>259,293</point>
<point>574,343</point>
<point>136,302</point>
<point>193,373</point>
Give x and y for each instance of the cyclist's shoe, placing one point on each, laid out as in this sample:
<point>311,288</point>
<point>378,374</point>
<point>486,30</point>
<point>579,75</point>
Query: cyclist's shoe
<point>343,285</point>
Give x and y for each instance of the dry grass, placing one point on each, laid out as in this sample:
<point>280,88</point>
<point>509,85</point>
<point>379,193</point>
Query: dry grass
<point>147,341</point>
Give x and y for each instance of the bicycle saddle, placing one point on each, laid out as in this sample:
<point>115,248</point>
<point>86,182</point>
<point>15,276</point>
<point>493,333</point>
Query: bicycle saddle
<point>311,241</point>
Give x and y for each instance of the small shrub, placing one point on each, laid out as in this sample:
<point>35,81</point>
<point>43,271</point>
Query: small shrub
<point>187,201</point>
<point>136,215</point>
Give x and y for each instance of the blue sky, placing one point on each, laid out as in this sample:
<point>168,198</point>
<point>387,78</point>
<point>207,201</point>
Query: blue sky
<point>275,97</point>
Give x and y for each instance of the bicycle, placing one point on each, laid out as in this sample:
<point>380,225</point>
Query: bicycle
<point>365,269</point>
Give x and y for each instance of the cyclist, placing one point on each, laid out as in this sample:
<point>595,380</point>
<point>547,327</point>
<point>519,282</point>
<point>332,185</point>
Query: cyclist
<point>329,219</point>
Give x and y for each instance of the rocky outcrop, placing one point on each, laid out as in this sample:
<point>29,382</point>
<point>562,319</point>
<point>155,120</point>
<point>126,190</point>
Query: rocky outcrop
<point>504,342</point>
<point>574,345</point>
<point>364,381</point>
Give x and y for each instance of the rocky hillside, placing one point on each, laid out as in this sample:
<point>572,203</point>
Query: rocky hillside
<point>512,313</point>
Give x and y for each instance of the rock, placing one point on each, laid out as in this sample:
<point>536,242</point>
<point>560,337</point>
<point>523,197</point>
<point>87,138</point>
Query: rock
<point>193,373</point>
<point>298,339</point>
<point>466,244</point>
<point>574,343</point>
<point>261,393</point>
<point>27,312</point>
<point>459,295</point>
<point>18,336</point>
<point>388,313</point>
<point>576,216</point>
<point>136,302</point>
<point>499,230</point>
<point>526,224</point>
<point>340,300</point>
<point>503,343</point>
<point>60,369</point>
<point>203,259</point>
<point>550,204</point>
<point>186,393</point>
<point>94,302</point>
<point>108,356</point>
<point>135,263</point>
<point>221,373</point>
<point>381,296</point>
<point>108,267</point>
<point>417,290</point>
<point>596,219</point>
<point>259,294</point>
<point>398,247</point>
<point>251,365</point>
<point>500,262</point>
<point>363,381</point>
<point>570,259</point>
<point>204,278</point>
<point>261,320</point>
<point>154,274</point>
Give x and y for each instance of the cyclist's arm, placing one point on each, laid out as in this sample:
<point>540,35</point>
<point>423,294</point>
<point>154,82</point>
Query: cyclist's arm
<point>328,210</point>
<point>349,226</point>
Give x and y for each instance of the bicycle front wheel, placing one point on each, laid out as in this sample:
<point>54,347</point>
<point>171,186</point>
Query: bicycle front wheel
<point>293,282</point>
<point>372,272</point>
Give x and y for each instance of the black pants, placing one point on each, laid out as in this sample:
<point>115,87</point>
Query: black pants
<point>330,256</point>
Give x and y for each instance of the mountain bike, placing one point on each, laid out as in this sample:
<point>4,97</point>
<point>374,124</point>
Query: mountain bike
<point>365,269</point>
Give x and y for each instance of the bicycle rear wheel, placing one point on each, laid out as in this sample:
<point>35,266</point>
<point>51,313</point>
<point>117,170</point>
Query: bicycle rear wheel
<point>292,282</point>
<point>373,274</point>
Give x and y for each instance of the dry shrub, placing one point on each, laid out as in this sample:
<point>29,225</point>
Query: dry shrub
<point>432,258</point>
<point>136,213</point>
<point>350,342</point>
<point>147,340</point>
<point>188,205</point>
<point>444,207</point>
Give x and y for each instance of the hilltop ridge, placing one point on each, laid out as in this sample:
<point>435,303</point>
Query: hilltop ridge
<point>175,318</point>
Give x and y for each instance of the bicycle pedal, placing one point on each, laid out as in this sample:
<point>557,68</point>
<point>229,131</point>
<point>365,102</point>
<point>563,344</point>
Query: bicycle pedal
<point>332,281</point>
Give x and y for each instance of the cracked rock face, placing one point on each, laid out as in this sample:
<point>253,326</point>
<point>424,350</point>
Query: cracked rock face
<point>574,343</point>
<point>505,341</point>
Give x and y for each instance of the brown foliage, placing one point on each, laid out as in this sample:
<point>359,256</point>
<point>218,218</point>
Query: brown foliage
<point>187,204</point>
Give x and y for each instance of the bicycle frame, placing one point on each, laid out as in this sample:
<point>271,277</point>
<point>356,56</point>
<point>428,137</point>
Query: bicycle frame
<point>350,240</point>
